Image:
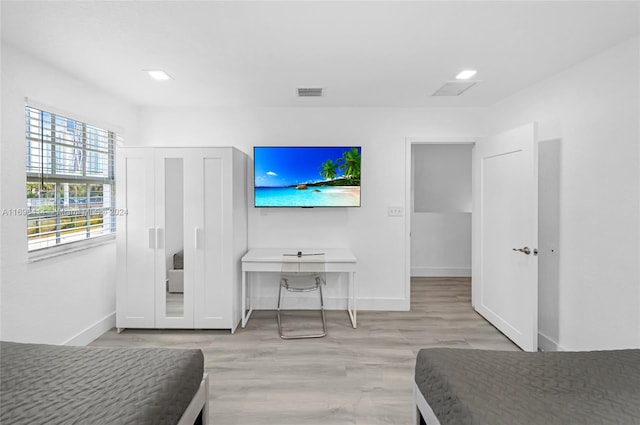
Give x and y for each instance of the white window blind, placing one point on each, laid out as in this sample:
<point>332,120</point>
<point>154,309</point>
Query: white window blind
<point>70,180</point>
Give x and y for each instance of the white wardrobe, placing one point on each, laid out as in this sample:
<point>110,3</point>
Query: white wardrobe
<point>181,231</point>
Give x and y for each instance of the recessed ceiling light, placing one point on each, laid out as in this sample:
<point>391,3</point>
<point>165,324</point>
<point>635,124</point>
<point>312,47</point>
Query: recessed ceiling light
<point>158,74</point>
<point>466,74</point>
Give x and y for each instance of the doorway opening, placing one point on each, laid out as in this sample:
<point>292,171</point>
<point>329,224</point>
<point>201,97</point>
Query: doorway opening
<point>438,205</point>
<point>439,219</point>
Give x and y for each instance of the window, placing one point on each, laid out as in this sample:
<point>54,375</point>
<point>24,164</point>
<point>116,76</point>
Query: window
<point>70,180</point>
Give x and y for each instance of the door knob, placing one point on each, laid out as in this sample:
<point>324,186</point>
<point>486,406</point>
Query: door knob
<point>525,250</point>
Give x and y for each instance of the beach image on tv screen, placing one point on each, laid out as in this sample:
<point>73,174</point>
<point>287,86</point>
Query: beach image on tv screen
<point>307,176</point>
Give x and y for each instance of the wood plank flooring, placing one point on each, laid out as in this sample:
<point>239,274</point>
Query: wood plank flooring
<point>352,376</point>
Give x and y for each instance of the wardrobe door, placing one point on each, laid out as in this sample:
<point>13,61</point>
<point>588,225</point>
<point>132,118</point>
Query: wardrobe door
<point>212,290</point>
<point>136,238</point>
<point>173,259</point>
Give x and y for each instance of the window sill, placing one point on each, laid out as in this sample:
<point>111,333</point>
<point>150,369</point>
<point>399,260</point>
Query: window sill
<point>56,251</point>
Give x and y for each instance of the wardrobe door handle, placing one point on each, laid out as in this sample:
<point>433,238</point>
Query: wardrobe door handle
<point>197,237</point>
<point>159,238</point>
<point>152,237</point>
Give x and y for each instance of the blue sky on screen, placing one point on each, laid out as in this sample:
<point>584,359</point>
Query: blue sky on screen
<point>284,166</point>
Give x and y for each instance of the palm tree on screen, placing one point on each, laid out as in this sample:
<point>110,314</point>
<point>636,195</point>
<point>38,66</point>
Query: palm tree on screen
<point>328,169</point>
<point>350,163</point>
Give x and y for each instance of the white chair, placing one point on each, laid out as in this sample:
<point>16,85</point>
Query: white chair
<point>302,273</point>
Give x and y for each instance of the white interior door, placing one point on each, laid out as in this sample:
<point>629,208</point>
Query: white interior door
<point>505,269</point>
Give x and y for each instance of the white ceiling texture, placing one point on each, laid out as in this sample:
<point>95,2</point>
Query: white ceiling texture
<point>363,53</point>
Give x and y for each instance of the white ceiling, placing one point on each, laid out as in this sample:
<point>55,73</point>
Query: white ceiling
<point>365,53</point>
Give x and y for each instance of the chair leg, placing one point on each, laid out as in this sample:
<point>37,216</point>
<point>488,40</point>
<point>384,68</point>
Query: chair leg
<point>322,313</point>
<point>324,318</point>
<point>278,313</point>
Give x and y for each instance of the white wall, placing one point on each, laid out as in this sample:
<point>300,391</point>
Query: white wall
<point>69,298</point>
<point>377,240</point>
<point>441,244</point>
<point>442,177</point>
<point>441,210</point>
<point>549,154</point>
<point>594,108</point>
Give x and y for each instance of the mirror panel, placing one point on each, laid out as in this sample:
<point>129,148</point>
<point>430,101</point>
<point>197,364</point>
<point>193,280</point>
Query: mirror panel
<point>174,236</point>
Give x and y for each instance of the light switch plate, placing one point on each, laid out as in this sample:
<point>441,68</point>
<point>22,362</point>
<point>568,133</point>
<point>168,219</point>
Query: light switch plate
<point>395,211</point>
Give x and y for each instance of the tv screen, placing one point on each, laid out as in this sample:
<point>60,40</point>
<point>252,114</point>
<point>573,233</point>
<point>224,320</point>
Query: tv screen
<point>306,176</point>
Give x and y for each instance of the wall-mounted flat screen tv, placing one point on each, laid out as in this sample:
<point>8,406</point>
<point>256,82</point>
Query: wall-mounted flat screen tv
<point>306,176</point>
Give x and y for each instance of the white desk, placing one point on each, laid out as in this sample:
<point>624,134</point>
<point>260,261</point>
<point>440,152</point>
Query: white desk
<point>270,260</point>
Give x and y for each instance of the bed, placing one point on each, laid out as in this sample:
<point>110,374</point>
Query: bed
<point>461,386</point>
<point>49,384</point>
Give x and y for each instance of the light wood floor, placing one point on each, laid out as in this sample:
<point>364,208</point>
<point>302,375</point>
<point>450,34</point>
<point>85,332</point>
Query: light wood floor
<point>352,376</point>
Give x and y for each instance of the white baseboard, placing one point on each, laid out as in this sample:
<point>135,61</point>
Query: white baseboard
<point>441,271</point>
<point>547,344</point>
<point>94,331</point>
<point>311,302</point>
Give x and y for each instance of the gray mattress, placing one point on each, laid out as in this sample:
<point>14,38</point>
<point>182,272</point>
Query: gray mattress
<point>47,384</point>
<point>511,388</point>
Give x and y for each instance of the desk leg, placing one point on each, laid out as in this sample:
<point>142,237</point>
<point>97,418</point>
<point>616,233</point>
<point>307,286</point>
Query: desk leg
<point>353,311</point>
<point>246,296</point>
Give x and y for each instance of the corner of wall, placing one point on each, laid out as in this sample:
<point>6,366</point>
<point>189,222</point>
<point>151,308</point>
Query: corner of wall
<point>93,331</point>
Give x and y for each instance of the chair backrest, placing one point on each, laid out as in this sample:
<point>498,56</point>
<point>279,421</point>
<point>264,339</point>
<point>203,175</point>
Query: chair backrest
<point>303,264</point>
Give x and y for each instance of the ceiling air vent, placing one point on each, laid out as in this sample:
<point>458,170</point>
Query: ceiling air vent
<point>310,91</point>
<point>454,88</point>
